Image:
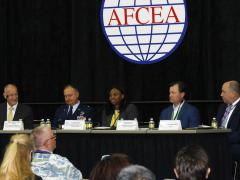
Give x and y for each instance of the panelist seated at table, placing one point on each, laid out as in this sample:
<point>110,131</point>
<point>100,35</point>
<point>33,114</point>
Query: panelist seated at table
<point>73,109</point>
<point>12,110</point>
<point>180,109</point>
<point>117,108</point>
<point>228,115</point>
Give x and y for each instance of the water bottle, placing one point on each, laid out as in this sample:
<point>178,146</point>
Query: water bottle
<point>42,123</point>
<point>214,123</point>
<point>90,124</point>
<point>151,124</point>
<point>48,123</point>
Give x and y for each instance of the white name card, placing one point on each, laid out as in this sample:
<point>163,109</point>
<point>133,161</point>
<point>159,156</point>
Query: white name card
<point>74,125</point>
<point>170,125</point>
<point>13,125</point>
<point>127,125</point>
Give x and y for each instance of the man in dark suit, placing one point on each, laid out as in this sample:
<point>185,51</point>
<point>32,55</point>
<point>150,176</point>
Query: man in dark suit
<point>12,110</point>
<point>73,109</point>
<point>228,115</point>
<point>180,110</point>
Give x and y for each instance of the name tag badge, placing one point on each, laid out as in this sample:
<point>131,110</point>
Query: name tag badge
<point>127,125</point>
<point>170,125</point>
<point>13,125</point>
<point>74,125</point>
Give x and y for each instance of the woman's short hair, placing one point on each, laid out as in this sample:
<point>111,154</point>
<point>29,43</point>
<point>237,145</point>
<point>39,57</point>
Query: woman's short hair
<point>109,167</point>
<point>16,160</point>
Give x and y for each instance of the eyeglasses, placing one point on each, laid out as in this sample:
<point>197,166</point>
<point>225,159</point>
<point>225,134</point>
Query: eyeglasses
<point>53,137</point>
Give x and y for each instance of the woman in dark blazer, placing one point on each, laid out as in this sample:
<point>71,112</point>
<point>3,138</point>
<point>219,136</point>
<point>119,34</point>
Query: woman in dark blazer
<point>117,108</point>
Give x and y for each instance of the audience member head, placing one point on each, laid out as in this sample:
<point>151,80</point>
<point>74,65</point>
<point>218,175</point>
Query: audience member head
<point>11,94</point>
<point>117,97</point>
<point>191,163</point>
<point>16,160</point>
<point>43,138</point>
<point>177,92</point>
<point>230,91</point>
<point>109,167</point>
<point>71,95</point>
<point>135,172</point>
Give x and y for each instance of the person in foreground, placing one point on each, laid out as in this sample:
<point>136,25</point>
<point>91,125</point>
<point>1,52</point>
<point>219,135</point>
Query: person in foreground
<point>191,163</point>
<point>135,172</point>
<point>73,109</point>
<point>16,160</point>
<point>12,110</point>
<point>228,116</point>
<point>180,109</point>
<point>109,167</point>
<point>117,108</point>
<point>45,163</point>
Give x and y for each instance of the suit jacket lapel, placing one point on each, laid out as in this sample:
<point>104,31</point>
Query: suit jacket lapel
<point>232,121</point>
<point>17,113</point>
<point>181,112</point>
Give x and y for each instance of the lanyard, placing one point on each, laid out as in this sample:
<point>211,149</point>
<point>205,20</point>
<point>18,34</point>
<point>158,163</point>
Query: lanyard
<point>176,115</point>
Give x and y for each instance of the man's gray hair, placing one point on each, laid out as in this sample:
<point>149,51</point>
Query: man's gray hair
<point>135,172</point>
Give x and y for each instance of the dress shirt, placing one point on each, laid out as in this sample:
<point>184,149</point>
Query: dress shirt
<point>75,106</point>
<point>176,110</point>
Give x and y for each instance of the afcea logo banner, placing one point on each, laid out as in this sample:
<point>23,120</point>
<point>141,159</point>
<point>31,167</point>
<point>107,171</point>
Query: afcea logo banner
<point>144,31</point>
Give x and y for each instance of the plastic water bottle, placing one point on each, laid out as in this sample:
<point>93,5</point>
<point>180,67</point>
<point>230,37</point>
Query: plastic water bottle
<point>42,123</point>
<point>90,124</point>
<point>48,123</point>
<point>214,123</point>
<point>151,124</point>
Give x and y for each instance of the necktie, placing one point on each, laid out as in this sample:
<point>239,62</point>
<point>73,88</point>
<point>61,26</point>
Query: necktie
<point>225,116</point>
<point>114,118</point>
<point>69,114</point>
<point>10,114</point>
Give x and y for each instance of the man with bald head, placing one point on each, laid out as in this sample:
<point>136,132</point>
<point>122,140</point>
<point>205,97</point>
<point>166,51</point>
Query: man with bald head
<point>228,115</point>
<point>73,109</point>
<point>45,163</point>
<point>12,110</point>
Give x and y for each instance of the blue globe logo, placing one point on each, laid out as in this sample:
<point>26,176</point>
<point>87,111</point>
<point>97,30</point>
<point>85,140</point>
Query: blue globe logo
<point>144,31</point>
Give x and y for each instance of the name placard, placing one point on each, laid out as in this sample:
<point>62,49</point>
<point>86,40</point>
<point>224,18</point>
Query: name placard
<point>127,125</point>
<point>170,125</point>
<point>13,125</point>
<point>74,125</point>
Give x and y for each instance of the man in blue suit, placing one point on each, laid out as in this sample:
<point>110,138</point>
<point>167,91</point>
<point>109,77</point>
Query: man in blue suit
<point>73,109</point>
<point>228,115</point>
<point>180,110</point>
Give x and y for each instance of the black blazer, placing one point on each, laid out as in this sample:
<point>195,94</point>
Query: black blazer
<point>233,123</point>
<point>23,112</point>
<point>130,112</point>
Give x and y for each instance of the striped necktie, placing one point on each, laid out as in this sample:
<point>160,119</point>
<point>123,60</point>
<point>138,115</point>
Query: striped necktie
<point>225,116</point>
<point>115,118</point>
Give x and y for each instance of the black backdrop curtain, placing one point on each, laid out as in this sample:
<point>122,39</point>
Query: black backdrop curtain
<point>47,44</point>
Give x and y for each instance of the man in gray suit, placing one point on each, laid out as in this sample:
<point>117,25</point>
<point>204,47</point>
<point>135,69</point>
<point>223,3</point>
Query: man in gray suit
<point>12,110</point>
